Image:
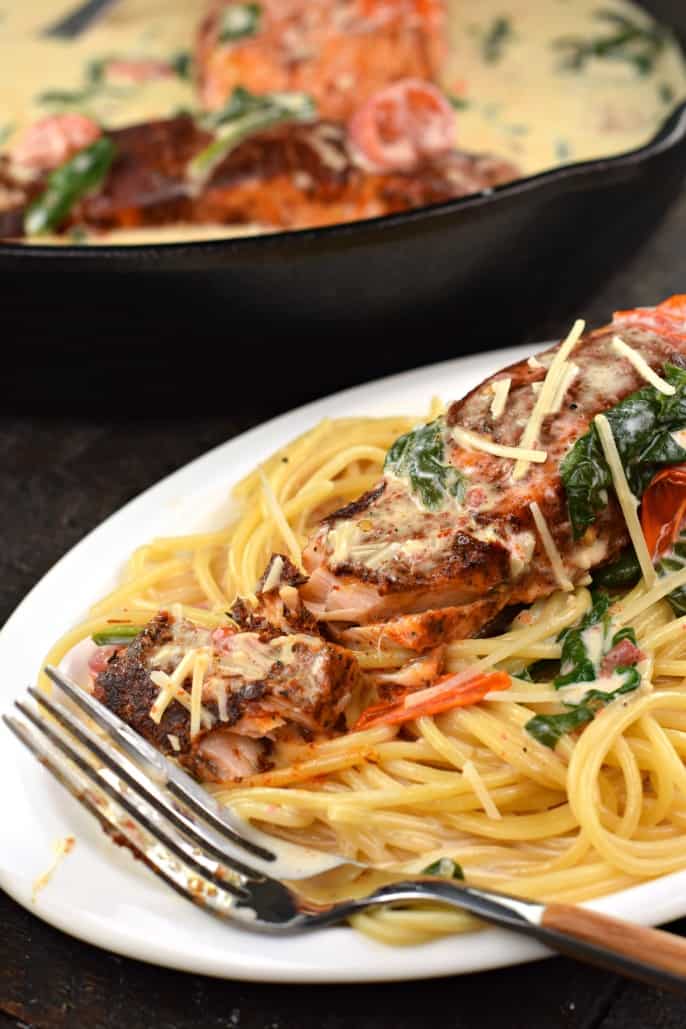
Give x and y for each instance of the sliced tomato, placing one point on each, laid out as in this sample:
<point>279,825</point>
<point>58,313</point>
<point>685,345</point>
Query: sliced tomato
<point>402,125</point>
<point>667,318</point>
<point>51,141</point>
<point>663,509</point>
<point>461,690</point>
<point>623,655</point>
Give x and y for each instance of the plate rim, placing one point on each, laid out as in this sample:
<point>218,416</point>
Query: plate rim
<point>648,903</point>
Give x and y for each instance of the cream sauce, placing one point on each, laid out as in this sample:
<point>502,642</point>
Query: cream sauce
<point>523,104</point>
<point>504,70</point>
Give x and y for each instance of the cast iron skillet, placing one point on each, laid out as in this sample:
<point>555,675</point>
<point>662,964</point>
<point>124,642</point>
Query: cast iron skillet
<point>539,245</point>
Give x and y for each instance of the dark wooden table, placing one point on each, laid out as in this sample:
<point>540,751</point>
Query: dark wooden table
<point>74,446</point>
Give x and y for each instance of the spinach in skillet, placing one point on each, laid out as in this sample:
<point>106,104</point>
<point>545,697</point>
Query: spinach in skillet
<point>67,185</point>
<point>583,649</point>
<point>92,84</point>
<point>419,457</point>
<point>240,21</point>
<point>626,39</point>
<point>499,33</point>
<point>642,426</point>
<point>244,114</point>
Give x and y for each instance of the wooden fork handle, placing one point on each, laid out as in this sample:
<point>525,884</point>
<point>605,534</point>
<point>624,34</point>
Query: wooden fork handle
<point>650,947</point>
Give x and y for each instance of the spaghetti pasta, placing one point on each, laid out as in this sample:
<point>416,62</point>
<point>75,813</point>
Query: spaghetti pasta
<point>604,810</point>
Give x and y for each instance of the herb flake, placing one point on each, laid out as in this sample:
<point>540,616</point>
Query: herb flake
<point>496,37</point>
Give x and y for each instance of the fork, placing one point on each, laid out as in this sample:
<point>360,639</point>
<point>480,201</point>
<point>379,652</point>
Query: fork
<point>148,803</point>
<point>78,20</point>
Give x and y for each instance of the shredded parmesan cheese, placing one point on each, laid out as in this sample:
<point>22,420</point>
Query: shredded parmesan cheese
<point>627,615</point>
<point>501,388</point>
<point>280,520</point>
<point>274,576</point>
<point>471,774</point>
<point>174,741</point>
<point>199,669</point>
<point>171,688</point>
<point>341,539</point>
<point>472,441</point>
<point>627,501</point>
<point>546,398</point>
<point>550,548</point>
<point>642,366</point>
<point>220,697</point>
<point>570,373</point>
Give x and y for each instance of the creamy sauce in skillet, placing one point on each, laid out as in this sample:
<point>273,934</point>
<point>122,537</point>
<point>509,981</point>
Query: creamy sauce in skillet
<point>523,96</point>
<point>520,92</point>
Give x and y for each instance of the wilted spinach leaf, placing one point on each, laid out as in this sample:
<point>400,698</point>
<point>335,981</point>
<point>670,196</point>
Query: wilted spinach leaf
<point>642,426</point>
<point>446,868</point>
<point>577,665</point>
<point>419,457</point>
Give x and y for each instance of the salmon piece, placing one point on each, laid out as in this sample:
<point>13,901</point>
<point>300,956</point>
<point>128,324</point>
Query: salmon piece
<point>258,689</point>
<point>292,176</point>
<point>382,567</point>
<point>277,609</point>
<point>338,52</point>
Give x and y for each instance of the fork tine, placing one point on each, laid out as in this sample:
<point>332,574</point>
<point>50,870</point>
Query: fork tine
<point>152,793</point>
<point>156,826</point>
<point>175,874</point>
<point>177,781</point>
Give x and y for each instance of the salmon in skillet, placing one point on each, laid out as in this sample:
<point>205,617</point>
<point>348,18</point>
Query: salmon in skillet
<point>339,52</point>
<point>447,539</point>
<point>290,176</point>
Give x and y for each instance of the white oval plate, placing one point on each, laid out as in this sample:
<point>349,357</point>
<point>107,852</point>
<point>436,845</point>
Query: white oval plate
<point>99,893</point>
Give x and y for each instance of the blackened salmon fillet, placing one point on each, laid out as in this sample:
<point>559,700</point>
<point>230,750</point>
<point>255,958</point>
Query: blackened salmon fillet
<point>448,537</point>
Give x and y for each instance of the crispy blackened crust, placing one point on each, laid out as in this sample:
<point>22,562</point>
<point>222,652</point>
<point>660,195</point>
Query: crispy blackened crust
<point>356,507</point>
<point>272,616</point>
<point>125,688</point>
<point>289,575</point>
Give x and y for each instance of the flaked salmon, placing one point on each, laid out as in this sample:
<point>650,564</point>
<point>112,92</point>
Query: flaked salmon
<point>257,688</point>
